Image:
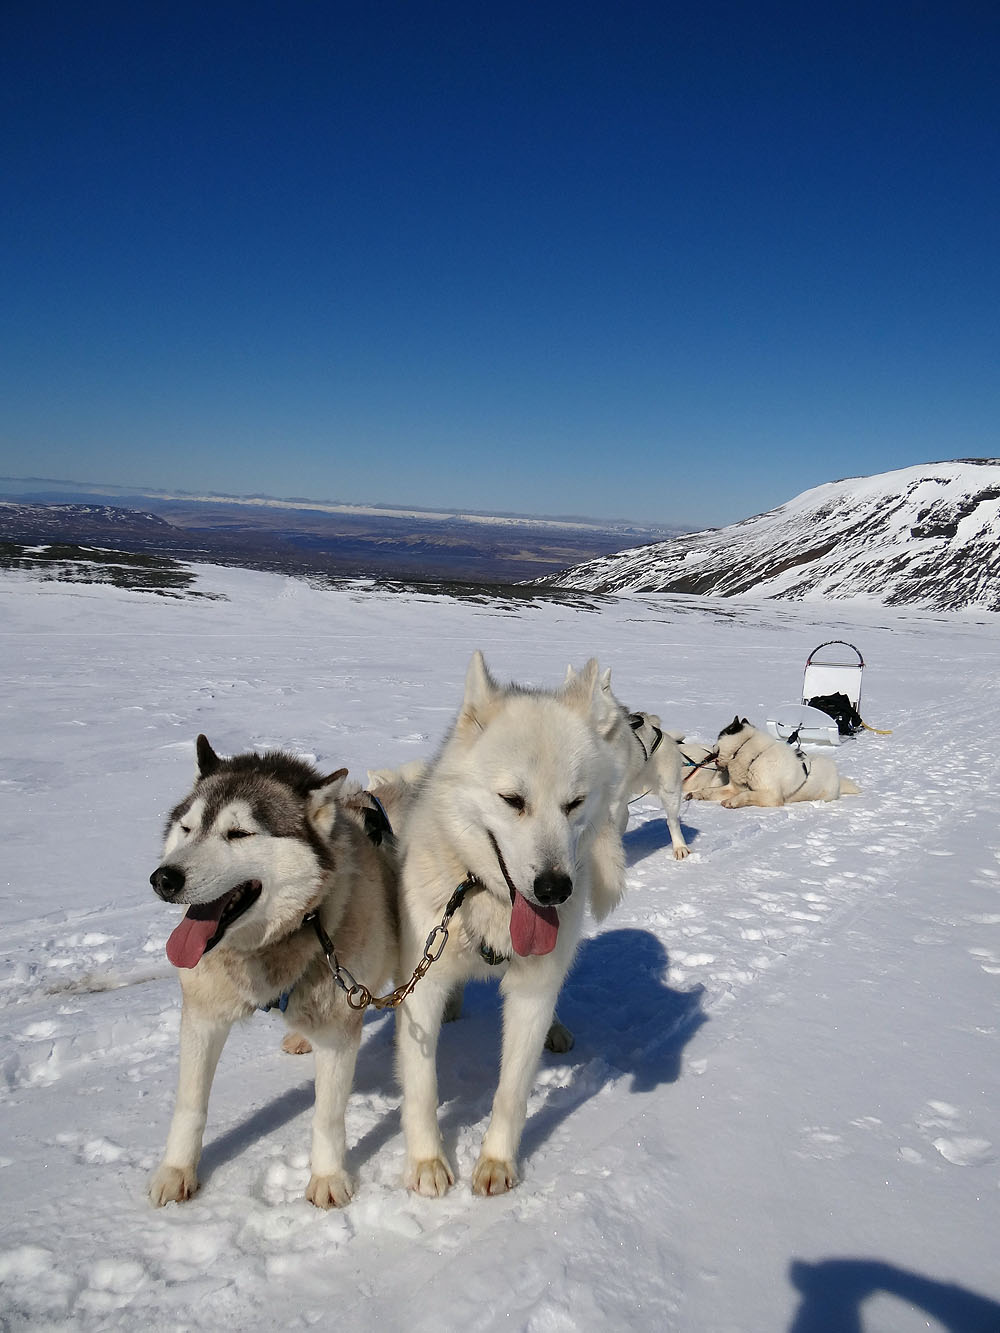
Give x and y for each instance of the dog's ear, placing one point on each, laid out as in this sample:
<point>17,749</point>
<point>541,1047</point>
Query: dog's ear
<point>570,675</point>
<point>581,694</point>
<point>208,760</point>
<point>321,804</point>
<point>606,681</point>
<point>480,692</point>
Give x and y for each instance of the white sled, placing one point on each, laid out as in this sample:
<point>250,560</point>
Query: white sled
<point>802,725</point>
<point>835,667</point>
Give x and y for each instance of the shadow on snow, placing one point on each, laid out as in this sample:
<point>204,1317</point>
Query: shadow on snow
<point>626,1020</point>
<point>645,839</point>
<point>834,1290</point>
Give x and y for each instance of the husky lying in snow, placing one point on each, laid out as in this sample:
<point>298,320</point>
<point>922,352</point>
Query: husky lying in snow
<point>260,844</point>
<point>766,771</point>
<point>515,806</point>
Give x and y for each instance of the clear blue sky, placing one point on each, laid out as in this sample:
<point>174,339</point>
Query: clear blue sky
<point>675,262</point>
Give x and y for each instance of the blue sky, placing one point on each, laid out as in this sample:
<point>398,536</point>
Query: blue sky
<point>673,262</point>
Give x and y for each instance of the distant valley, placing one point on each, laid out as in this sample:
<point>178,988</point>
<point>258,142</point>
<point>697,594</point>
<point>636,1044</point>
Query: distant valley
<point>340,541</point>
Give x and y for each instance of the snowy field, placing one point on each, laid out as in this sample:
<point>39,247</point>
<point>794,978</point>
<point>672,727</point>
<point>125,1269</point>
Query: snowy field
<point>783,1108</point>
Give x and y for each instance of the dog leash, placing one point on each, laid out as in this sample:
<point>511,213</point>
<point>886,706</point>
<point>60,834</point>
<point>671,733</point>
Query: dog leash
<point>712,758</point>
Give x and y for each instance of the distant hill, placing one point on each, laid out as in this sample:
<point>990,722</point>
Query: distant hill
<point>923,536</point>
<point>341,541</point>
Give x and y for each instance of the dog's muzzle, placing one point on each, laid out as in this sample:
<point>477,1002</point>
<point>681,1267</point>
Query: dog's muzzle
<point>551,888</point>
<point>168,881</point>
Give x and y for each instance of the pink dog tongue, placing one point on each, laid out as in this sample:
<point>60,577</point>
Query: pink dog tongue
<point>190,939</point>
<point>532,929</point>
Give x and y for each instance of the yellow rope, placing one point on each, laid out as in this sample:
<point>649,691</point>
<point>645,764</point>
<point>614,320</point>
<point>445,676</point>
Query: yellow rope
<point>875,729</point>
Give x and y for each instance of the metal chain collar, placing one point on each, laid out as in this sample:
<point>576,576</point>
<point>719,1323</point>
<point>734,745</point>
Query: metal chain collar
<point>359,996</point>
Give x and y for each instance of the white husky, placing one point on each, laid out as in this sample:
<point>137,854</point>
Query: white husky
<point>766,771</point>
<point>267,860</point>
<point>650,760</point>
<point>514,807</point>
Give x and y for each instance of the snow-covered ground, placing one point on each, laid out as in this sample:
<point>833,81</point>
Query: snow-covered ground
<point>783,1108</point>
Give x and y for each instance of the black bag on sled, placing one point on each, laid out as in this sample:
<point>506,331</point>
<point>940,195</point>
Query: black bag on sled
<point>840,708</point>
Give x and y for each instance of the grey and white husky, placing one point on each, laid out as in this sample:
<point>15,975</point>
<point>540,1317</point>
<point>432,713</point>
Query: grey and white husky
<point>262,851</point>
<point>515,807</point>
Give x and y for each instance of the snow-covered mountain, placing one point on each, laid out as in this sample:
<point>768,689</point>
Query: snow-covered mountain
<point>924,536</point>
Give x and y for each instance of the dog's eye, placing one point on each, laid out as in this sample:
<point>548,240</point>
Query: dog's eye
<point>575,804</point>
<point>185,828</point>
<point>235,833</point>
<point>514,801</point>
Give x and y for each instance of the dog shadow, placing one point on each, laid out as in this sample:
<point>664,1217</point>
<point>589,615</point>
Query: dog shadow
<point>834,1290</point>
<point>651,837</point>
<point>627,1022</point>
<point>617,1003</point>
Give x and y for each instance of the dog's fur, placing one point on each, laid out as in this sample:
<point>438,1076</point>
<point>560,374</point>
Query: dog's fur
<point>517,797</point>
<point>766,771</point>
<point>272,826</point>
<point>395,789</point>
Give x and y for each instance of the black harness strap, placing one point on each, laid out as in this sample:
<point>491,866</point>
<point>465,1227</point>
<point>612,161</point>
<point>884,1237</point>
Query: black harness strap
<point>637,720</point>
<point>377,824</point>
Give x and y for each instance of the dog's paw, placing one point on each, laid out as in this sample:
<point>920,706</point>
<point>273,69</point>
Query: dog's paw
<point>295,1044</point>
<point>333,1191</point>
<point>432,1178</point>
<point>559,1039</point>
<point>681,852</point>
<point>492,1176</point>
<point>172,1184</point>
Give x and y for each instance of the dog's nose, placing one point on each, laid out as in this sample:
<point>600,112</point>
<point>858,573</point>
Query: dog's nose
<point>167,881</point>
<point>552,887</point>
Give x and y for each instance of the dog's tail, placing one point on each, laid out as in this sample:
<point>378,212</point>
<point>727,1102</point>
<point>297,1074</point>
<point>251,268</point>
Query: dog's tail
<point>849,788</point>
